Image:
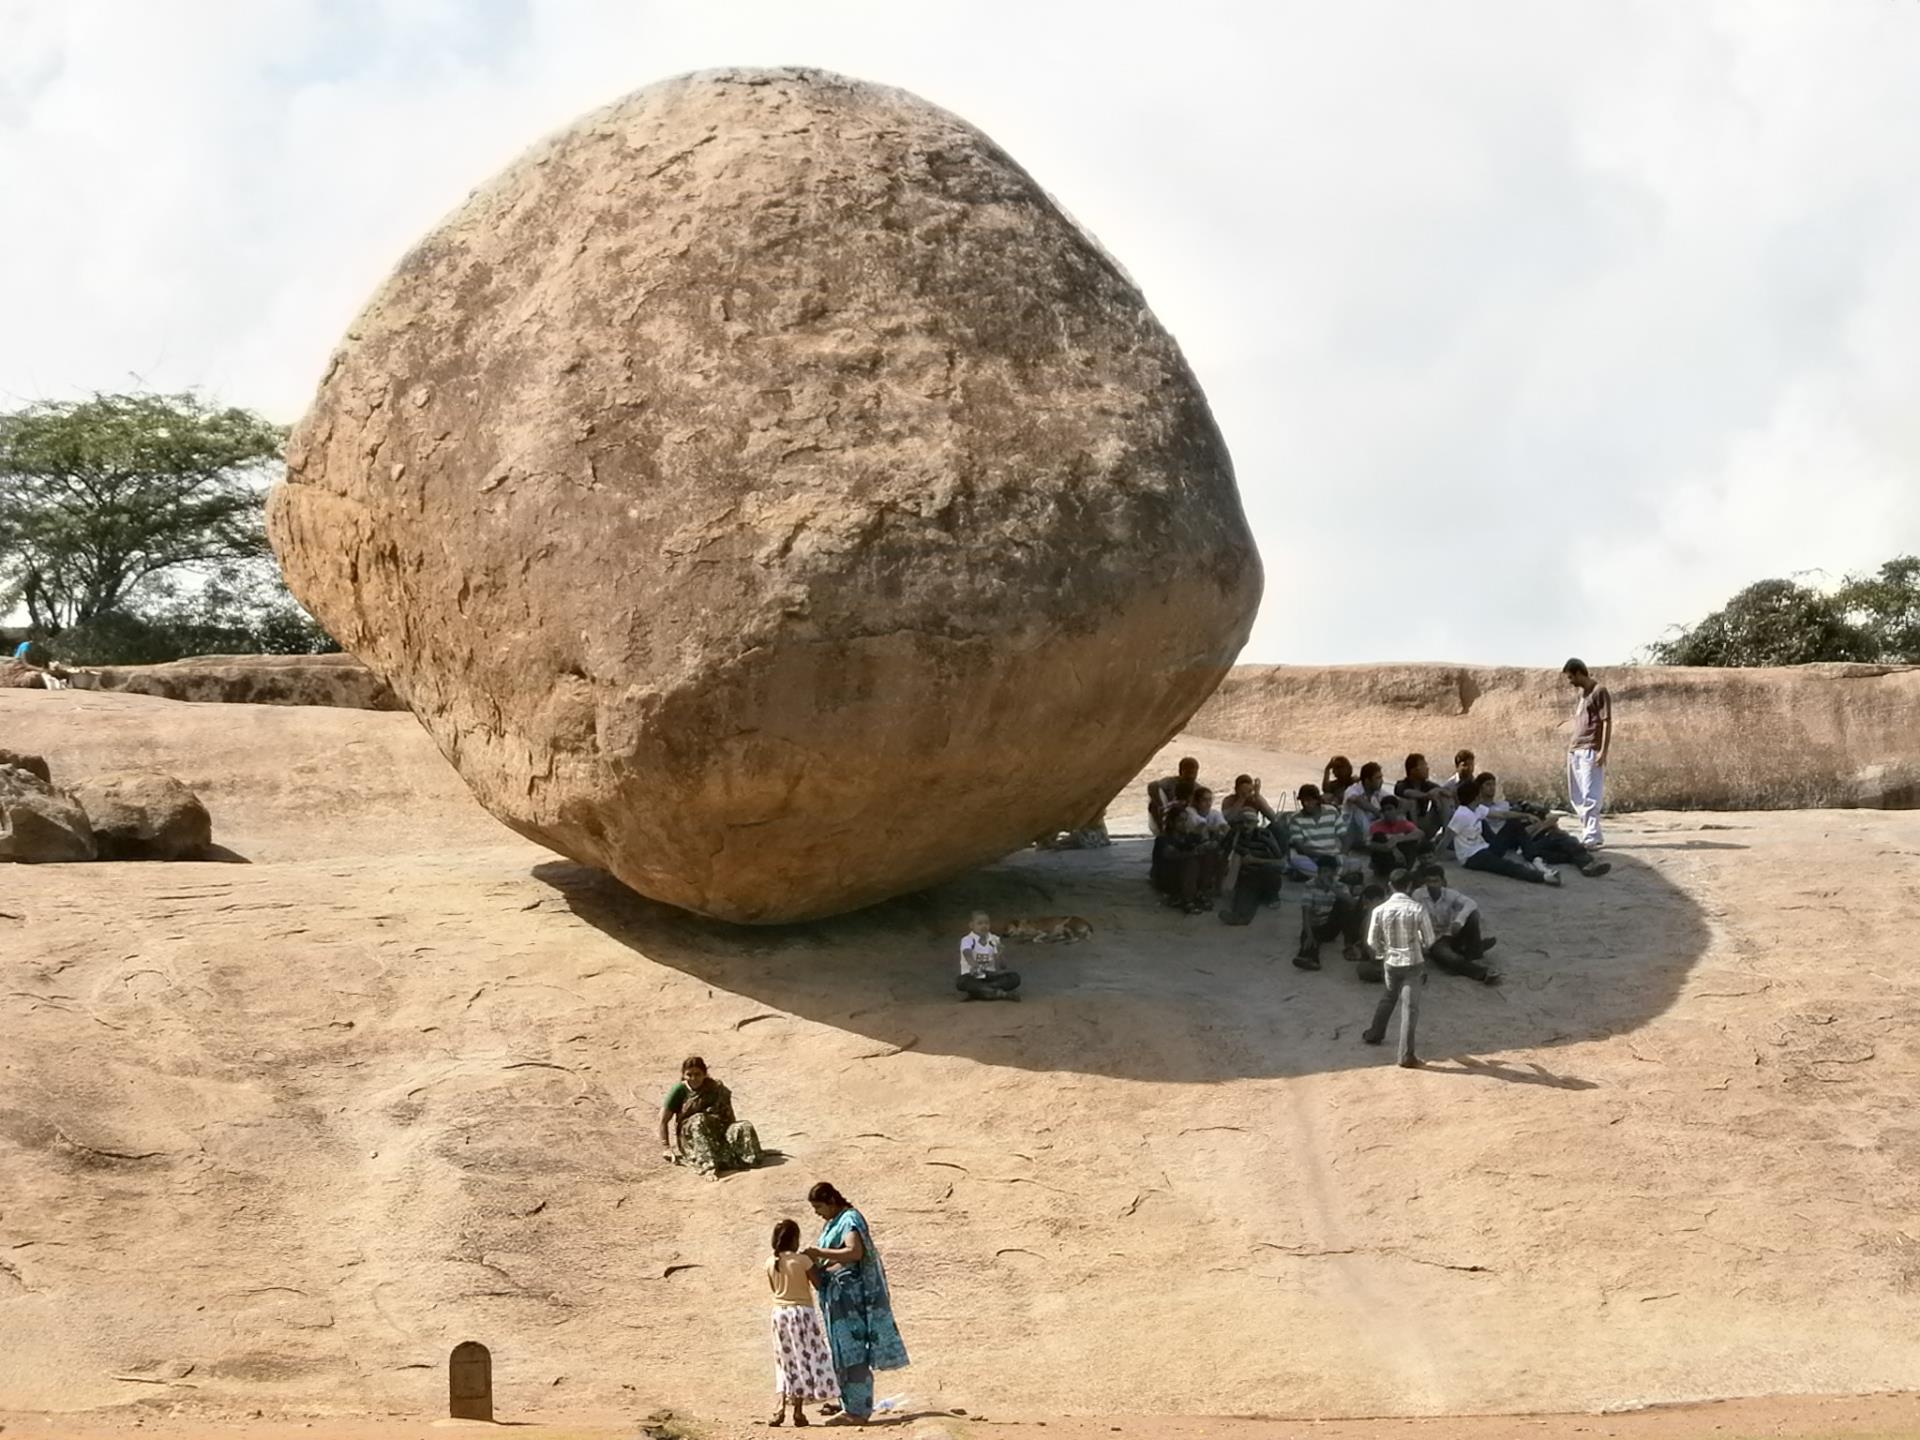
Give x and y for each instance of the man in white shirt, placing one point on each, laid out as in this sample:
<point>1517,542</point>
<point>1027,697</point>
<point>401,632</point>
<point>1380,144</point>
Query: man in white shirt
<point>981,977</point>
<point>1400,935</point>
<point>1456,921</point>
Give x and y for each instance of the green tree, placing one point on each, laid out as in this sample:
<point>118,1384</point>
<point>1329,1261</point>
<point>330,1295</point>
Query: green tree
<point>132,530</point>
<point>1887,606</point>
<point>1774,622</point>
<point>101,497</point>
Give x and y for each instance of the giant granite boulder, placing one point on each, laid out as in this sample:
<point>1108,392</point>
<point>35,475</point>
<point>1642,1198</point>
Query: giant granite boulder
<point>145,815</point>
<point>765,491</point>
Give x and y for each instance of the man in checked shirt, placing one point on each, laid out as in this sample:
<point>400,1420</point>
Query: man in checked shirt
<point>1399,935</point>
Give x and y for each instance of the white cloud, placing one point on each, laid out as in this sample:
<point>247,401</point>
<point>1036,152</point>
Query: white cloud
<point>1534,325</point>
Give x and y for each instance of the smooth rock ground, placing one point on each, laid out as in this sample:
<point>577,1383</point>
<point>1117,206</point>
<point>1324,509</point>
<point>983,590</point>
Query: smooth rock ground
<point>279,1135</point>
<point>754,476</point>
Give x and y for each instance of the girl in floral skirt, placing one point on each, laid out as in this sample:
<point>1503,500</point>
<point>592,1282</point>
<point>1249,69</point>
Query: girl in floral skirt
<point>802,1363</point>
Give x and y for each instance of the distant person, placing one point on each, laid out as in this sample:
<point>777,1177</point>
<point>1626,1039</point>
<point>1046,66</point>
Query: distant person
<point>1329,911</point>
<point>1587,755</point>
<point>1262,853</point>
<point>802,1361</point>
<point>23,652</point>
<point>706,1135</point>
<point>1313,833</point>
<point>1473,848</point>
<point>1459,946</point>
<point>855,1301</point>
<point>981,977</point>
<point>1246,796</point>
<point>1421,796</point>
<point>1393,841</point>
<point>1400,935</point>
<point>1161,796</point>
<point>1336,777</point>
<point>1362,800</point>
<point>1464,769</point>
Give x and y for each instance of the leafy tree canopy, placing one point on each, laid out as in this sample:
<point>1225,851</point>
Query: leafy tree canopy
<point>1781,622</point>
<point>1888,605</point>
<point>132,529</point>
<point>101,496</point>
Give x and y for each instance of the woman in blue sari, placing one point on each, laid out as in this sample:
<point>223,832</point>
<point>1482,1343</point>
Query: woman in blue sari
<point>853,1293</point>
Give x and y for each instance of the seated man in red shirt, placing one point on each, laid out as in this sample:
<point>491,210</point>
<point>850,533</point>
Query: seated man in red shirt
<point>1393,841</point>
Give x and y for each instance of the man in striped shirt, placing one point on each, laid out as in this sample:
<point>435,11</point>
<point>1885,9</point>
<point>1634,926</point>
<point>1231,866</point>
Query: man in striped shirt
<point>1400,935</point>
<point>1313,833</point>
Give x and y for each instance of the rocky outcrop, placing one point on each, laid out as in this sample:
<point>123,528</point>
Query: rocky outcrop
<point>1809,735</point>
<point>33,764</point>
<point>18,675</point>
<point>764,491</point>
<point>336,680</point>
<point>39,824</point>
<point>145,815</point>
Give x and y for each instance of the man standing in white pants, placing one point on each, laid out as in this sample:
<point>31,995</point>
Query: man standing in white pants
<point>1587,755</point>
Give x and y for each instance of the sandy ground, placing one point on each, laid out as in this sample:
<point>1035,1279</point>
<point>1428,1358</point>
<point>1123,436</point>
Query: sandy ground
<point>274,1136</point>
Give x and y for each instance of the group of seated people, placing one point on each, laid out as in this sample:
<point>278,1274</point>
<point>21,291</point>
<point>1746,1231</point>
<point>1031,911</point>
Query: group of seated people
<point>1345,827</point>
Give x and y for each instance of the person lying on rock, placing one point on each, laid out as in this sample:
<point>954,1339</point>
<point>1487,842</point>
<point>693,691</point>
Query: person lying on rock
<point>1261,850</point>
<point>981,977</point>
<point>1471,843</point>
<point>1535,832</point>
<point>1313,833</point>
<point>1393,841</point>
<point>1330,911</point>
<point>1460,945</point>
<point>706,1136</point>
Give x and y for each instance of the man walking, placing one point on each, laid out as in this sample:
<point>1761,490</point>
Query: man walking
<point>1400,935</point>
<point>1587,755</point>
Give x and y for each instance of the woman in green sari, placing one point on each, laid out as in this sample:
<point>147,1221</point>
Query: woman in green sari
<point>855,1301</point>
<point>705,1134</point>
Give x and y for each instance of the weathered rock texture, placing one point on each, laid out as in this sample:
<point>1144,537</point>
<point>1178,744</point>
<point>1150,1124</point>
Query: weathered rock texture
<point>337,680</point>
<point>33,764</point>
<point>145,815</point>
<point>39,824</point>
<point>18,675</point>
<point>1810,735</point>
<point>764,491</point>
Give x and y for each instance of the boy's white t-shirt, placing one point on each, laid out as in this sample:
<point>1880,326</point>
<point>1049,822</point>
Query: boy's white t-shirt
<point>978,956</point>
<point>1465,829</point>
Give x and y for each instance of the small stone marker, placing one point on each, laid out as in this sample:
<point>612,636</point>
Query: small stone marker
<point>470,1382</point>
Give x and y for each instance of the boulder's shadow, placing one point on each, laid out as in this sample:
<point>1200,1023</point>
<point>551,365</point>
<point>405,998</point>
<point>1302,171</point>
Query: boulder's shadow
<point>1161,996</point>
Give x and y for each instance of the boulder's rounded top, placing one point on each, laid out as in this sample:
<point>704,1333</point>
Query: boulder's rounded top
<point>760,450</point>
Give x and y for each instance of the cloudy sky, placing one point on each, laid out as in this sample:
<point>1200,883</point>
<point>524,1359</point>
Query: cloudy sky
<point>1533,326</point>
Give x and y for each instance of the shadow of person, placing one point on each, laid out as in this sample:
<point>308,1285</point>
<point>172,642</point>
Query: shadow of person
<point>1534,1073</point>
<point>1159,995</point>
